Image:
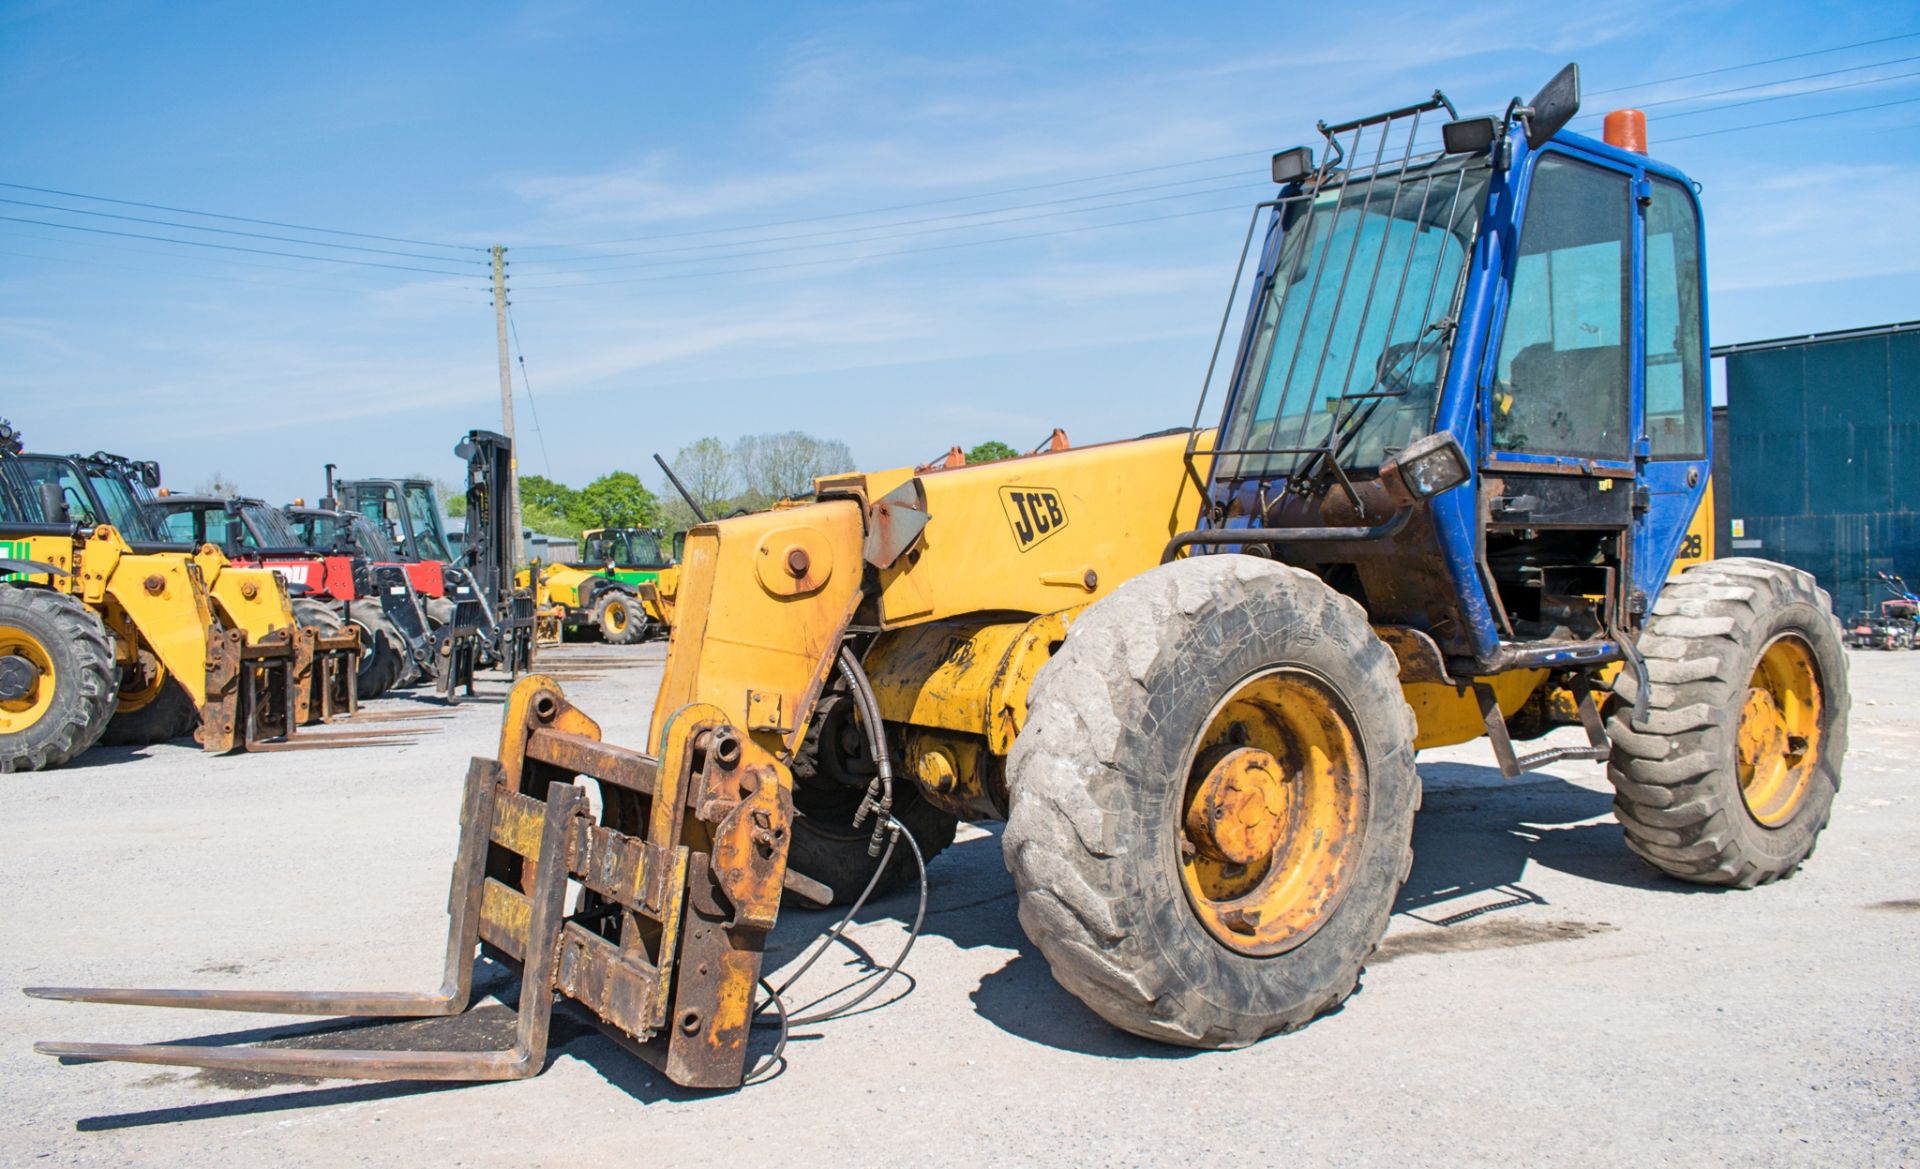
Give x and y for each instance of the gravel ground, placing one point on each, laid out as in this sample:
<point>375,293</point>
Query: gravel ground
<point>1592,1012</point>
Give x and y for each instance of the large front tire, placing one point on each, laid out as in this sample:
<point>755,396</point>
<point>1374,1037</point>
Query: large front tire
<point>619,618</point>
<point>1733,776</point>
<point>63,684</point>
<point>830,774</point>
<point>1212,802</point>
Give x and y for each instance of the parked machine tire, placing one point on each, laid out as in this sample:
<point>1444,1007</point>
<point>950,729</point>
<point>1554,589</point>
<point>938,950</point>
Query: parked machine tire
<point>1734,801</point>
<point>1212,801</point>
<point>311,614</point>
<point>619,617</point>
<point>66,688</point>
<point>383,658</point>
<point>830,773</point>
<point>440,610</point>
<point>152,708</point>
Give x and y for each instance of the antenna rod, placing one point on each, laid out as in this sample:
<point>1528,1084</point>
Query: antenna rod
<point>674,479</point>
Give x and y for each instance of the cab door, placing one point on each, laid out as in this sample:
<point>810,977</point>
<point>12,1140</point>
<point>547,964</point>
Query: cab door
<point>1560,404</point>
<point>1673,448</point>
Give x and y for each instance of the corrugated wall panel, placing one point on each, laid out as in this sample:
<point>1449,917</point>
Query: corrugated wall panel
<point>1823,444</point>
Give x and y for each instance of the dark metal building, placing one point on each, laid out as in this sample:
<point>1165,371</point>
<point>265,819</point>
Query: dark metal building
<point>1822,450</point>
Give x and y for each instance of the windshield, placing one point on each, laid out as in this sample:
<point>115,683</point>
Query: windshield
<point>27,474</point>
<point>629,549</point>
<point>1352,331</point>
<point>423,510</point>
<point>316,529</point>
<point>267,527</point>
<point>380,503</point>
<point>180,525</point>
<point>339,532</point>
<point>370,543</point>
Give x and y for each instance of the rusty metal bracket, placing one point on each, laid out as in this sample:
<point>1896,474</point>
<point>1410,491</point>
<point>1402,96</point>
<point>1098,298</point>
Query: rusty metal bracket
<point>1511,766</point>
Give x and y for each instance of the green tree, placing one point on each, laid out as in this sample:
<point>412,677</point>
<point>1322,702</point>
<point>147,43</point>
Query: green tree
<point>614,500</point>
<point>542,492</point>
<point>546,522</point>
<point>991,451</point>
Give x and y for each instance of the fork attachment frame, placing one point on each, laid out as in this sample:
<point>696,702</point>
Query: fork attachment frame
<point>652,915</point>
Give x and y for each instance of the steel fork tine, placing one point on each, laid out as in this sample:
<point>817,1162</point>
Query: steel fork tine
<point>512,1064</point>
<point>548,910</point>
<point>456,985</point>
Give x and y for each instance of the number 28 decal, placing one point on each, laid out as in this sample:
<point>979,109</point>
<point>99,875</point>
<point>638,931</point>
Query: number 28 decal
<point>1034,513</point>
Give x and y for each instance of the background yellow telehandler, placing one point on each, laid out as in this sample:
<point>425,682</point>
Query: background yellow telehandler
<point>1191,671</point>
<point>191,643</point>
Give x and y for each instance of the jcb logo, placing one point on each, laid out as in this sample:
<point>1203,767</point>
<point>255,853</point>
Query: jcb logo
<point>1034,512</point>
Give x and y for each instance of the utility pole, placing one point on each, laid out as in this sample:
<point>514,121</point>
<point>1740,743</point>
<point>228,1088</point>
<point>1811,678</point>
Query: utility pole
<point>506,400</point>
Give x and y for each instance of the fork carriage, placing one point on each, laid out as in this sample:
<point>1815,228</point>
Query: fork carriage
<point>682,869</point>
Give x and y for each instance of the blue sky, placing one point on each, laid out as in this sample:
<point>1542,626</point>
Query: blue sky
<point>734,146</point>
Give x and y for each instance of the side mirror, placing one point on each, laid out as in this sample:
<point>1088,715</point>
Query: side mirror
<point>53,504</point>
<point>150,474</point>
<point>1554,106</point>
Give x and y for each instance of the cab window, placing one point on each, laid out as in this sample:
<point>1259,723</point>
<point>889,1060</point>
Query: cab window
<point>644,550</point>
<point>1675,381</point>
<point>1561,383</point>
<point>179,527</point>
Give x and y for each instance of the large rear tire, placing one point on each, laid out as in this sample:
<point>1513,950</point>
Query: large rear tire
<point>1733,777</point>
<point>1212,801</point>
<point>64,680</point>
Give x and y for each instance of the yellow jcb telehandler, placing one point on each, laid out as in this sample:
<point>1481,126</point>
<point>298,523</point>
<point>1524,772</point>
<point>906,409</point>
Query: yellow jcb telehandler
<point>1455,492</point>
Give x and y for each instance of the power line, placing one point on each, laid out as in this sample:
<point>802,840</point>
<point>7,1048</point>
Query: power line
<point>1117,223</point>
<point>1786,96</point>
<point>1174,165</point>
<point>896,223</point>
<point>392,239</point>
<point>1754,64</point>
<point>177,257</point>
<point>330,290</point>
<point>1779,81</point>
<point>521,355</point>
<point>1121,174</point>
<point>913,234</point>
<point>287,239</point>
<point>1240,207</point>
<point>232,247</point>
<point>848,243</point>
<point>1803,118</point>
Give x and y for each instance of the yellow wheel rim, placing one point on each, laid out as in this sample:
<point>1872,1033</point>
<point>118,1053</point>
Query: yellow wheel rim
<point>616,616</point>
<point>1778,746</point>
<point>18,714</point>
<point>1273,812</point>
<point>140,683</point>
